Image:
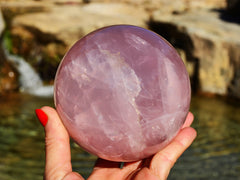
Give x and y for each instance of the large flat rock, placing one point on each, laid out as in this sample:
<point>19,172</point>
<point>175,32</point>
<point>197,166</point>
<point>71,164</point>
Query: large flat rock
<point>69,23</point>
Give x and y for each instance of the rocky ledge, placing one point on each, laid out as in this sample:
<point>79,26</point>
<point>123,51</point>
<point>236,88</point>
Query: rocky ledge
<point>209,46</point>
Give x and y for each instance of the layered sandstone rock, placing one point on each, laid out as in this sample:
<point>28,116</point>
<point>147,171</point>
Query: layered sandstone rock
<point>212,44</point>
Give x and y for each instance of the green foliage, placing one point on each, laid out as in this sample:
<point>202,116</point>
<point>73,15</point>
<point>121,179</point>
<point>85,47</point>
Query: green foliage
<point>7,40</point>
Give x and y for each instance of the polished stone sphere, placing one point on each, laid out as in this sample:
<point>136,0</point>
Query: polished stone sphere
<point>122,92</point>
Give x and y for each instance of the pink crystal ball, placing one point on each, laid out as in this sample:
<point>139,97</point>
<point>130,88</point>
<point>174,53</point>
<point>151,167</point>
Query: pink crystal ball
<point>122,92</point>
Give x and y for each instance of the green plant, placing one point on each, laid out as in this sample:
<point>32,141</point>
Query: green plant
<point>7,40</point>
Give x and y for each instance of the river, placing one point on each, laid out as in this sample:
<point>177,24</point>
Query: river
<point>215,154</point>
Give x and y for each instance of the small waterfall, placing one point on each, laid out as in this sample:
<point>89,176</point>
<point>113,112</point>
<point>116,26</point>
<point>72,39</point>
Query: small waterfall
<point>30,81</point>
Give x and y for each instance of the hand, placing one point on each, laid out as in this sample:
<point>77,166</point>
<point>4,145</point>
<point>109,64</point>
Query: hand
<point>58,157</point>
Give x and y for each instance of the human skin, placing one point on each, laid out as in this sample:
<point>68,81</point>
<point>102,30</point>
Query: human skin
<point>58,155</point>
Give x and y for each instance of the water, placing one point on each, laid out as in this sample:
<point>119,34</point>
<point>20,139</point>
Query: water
<point>29,79</point>
<point>215,154</point>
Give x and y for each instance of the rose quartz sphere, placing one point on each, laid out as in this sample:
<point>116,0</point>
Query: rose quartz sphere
<point>122,92</point>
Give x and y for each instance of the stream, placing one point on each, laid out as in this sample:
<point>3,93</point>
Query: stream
<point>215,154</point>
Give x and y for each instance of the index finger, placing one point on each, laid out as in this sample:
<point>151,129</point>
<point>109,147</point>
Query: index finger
<point>58,155</point>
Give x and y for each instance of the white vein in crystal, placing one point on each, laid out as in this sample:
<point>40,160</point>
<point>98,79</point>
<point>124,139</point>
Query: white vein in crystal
<point>124,75</point>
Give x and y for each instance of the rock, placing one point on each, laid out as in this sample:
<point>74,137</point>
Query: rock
<point>8,78</point>
<point>8,75</point>
<point>12,8</point>
<point>42,38</point>
<point>209,43</point>
<point>171,6</point>
<point>79,20</point>
<point>42,51</point>
<point>2,24</point>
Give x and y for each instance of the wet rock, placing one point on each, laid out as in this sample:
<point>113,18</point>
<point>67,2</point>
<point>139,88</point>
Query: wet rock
<point>8,78</point>
<point>41,50</point>
<point>210,45</point>
<point>8,75</point>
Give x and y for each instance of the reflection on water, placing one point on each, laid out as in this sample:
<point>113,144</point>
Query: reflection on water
<point>214,155</point>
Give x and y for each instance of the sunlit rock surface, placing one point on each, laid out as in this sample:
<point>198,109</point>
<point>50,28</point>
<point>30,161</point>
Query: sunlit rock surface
<point>209,43</point>
<point>122,92</point>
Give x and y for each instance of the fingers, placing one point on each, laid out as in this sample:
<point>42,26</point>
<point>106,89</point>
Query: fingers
<point>144,173</point>
<point>101,163</point>
<point>111,170</point>
<point>133,165</point>
<point>163,161</point>
<point>58,157</point>
<point>189,120</point>
<point>160,165</point>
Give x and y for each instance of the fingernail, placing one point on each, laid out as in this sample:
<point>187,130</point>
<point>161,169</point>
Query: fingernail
<point>43,118</point>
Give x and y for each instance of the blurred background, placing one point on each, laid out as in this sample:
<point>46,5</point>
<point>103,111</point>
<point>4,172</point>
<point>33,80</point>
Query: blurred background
<point>35,35</point>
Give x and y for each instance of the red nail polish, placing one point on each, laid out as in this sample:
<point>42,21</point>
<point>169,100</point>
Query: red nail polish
<point>43,118</point>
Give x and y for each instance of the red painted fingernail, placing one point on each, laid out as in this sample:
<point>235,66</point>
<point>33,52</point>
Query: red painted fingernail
<point>43,118</point>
